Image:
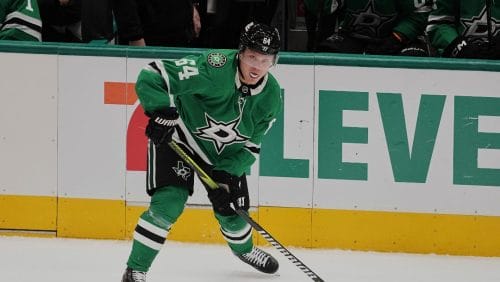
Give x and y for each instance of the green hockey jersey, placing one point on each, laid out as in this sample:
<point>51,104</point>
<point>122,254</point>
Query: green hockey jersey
<point>20,20</point>
<point>222,120</point>
<point>453,18</point>
<point>370,19</point>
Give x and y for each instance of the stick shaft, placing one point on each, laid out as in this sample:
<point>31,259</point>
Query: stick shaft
<point>269,238</point>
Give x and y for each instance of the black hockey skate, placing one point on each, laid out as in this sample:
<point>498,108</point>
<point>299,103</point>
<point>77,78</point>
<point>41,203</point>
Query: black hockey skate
<point>260,260</point>
<point>131,275</point>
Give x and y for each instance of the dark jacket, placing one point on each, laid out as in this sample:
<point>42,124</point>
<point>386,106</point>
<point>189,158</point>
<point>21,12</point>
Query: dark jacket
<point>166,22</point>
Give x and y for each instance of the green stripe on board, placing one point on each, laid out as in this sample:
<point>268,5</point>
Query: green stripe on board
<point>292,58</point>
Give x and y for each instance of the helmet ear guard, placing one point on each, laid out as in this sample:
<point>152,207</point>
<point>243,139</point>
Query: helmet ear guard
<point>261,38</point>
<point>276,57</point>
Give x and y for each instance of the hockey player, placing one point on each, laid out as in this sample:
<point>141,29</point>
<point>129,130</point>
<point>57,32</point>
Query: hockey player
<point>217,106</point>
<point>20,20</point>
<point>466,29</point>
<point>382,27</point>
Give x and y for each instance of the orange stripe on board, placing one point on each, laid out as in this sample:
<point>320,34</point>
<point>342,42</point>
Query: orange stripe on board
<point>119,93</point>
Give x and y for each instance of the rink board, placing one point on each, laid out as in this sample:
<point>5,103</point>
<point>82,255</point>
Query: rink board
<point>347,229</point>
<point>370,153</point>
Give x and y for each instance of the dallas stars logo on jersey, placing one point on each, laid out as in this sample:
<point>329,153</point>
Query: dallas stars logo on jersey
<point>221,133</point>
<point>216,59</point>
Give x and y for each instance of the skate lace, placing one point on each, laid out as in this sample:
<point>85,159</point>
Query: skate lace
<point>257,257</point>
<point>139,276</point>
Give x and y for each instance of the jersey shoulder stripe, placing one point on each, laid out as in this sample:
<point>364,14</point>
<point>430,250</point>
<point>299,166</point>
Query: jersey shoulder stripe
<point>24,23</point>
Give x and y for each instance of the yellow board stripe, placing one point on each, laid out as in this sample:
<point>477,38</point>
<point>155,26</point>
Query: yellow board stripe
<point>91,218</point>
<point>290,226</point>
<point>28,212</point>
<point>301,227</point>
<point>406,232</point>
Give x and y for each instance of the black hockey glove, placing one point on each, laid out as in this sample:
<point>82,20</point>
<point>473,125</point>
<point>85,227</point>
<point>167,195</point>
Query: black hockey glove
<point>161,125</point>
<point>232,189</point>
<point>239,195</point>
<point>469,47</point>
<point>391,45</point>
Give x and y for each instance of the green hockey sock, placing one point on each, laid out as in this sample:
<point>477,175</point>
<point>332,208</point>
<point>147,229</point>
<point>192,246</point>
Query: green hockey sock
<point>167,204</point>
<point>237,232</point>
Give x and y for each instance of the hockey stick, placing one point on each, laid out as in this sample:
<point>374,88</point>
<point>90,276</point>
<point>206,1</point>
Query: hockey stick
<point>213,185</point>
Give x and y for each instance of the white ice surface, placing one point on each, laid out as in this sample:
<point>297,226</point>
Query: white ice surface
<point>70,260</point>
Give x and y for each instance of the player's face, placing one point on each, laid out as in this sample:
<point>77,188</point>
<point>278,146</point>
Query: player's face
<point>254,65</point>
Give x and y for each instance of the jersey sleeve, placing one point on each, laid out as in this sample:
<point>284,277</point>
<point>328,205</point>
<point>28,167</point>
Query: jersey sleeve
<point>151,89</point>
<point>241,162</point>
<point>441,28</point>
<point>415,21</point>
<point>20,20</point>
<point>160,81</point>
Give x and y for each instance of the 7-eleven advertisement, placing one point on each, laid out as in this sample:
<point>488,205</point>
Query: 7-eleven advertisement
<point>426,141</point>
